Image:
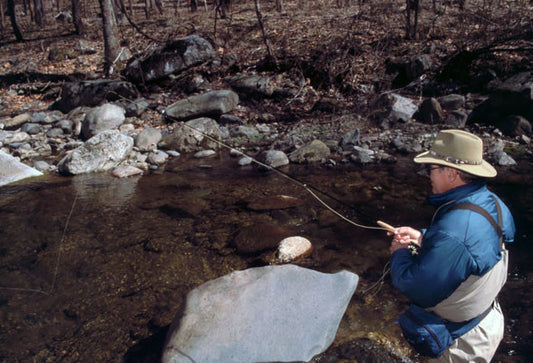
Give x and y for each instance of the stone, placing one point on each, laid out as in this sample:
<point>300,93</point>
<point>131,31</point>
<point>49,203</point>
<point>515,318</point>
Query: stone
<point>174,57</point>
<point>204,154</point>
<point>12,170</point>
<point>273,158</point>
<point>292,248</point>
<point>54,132</point>
<point>361,155</point>
<point>65,125</point>
<point>41,165</point>
<point>93,93</point>
<point>392,108</point>
<point>430,112</point>
<point>83,47</point>
<point>350,139</point>
<point>248,132</point>
<point>452,102</point>
<point>136,107</point>
<point>514,96</point>
<point>148,138</point>
<point>456,118</point>
<point>251,86</point>
<point>406,71</point>
<point>504,159</point>
<point>209,104</point>
<point>245,161</point>
<point>105,117</point>
<point>193,135</point>
<point>16,121</point>
<point>279,313</point>
<point>126,171</point>
<point>31,128</point>
<point>260,237</point>
<point>100,153</point>
<point>315,151</point>
<point>515,125</point>
<point>157,157</point>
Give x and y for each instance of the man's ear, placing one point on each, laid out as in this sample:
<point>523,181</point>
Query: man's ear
<point>450,172</point>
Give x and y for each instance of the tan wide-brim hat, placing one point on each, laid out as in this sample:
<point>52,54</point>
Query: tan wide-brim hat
<point>460,150</point>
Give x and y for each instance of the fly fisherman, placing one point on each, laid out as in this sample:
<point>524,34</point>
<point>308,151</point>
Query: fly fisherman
<point>461,265</point>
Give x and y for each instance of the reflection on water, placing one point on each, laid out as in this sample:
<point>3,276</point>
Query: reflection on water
<point>104,190</point>
<point>134,247</point>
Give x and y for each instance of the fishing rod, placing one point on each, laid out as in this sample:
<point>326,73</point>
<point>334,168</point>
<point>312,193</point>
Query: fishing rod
<point>309,188</point>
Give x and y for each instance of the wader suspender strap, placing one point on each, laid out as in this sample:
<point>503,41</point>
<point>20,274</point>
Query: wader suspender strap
<point>476,208</point>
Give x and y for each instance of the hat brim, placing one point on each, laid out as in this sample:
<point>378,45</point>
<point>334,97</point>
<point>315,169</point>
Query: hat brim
<point>484,170</point>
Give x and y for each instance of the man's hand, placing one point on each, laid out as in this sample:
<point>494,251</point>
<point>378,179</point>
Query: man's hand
<point>403,237</point>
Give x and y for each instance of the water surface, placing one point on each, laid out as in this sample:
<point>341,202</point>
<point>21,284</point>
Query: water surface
<point>94,268</point>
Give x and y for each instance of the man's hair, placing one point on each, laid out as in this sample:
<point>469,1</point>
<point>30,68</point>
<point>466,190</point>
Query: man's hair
<point>466,177</point>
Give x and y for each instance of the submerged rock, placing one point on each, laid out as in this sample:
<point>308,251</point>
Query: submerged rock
<point>267,314</point>
<point>260,237</point>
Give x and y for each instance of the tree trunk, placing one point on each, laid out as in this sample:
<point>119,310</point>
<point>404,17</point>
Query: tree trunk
<point>76,17</point>
<point>159,6</point>
<point>2,20</point>
<point>410,30</point>
<point>40,18</point>
<point>194,6</point>
<point>111,46</point>
<point>263,31</point>
<point>279,6</point>
<point>14,22</point>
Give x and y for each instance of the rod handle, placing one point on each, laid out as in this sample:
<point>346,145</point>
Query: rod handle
<point>390,228</point>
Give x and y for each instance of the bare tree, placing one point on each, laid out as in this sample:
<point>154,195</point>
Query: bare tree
<point>263,31</point>
<point>111,45</point>
<point>223,7</point>
<point>279,6</point>
<point>13,18</point>
<point>40,16</point>
<point>76,16</point>
<point>412,7</point>
<point>2,20</point>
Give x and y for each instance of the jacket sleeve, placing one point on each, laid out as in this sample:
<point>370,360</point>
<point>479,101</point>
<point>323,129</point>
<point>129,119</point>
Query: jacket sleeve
<point>430,277</point>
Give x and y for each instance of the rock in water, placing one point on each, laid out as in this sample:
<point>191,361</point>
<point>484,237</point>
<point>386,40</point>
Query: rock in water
<point>266,314</point>
<point>11,170</point>
<point>292,248</point>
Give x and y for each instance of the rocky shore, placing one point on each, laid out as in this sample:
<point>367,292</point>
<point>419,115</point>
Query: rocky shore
<point>107,125</point>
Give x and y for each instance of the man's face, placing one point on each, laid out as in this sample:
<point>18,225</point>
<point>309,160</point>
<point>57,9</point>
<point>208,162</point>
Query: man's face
<point>439,181</point>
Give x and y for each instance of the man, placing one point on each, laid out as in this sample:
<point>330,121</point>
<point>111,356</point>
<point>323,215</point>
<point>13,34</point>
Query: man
<point>462,263</point>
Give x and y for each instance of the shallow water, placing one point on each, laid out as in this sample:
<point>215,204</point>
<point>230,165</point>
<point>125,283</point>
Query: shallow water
<point>94,268</point>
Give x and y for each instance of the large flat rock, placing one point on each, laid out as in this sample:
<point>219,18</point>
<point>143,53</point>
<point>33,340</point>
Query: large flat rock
<point>12,170</point>
<point>267,314</point>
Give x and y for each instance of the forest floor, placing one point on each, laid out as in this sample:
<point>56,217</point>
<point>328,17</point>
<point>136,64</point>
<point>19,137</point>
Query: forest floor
<point>341,52</point>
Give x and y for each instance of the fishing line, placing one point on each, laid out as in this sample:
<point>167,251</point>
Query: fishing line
<point>60,248</point>
<point>285,175</point>
<point>58,259</point>
<point>382,225</point>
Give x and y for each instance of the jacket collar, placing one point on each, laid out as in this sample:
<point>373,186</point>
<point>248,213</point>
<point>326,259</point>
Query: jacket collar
<point>456,193</point>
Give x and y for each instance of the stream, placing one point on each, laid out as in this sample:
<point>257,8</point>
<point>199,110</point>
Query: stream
<point>94,268</point>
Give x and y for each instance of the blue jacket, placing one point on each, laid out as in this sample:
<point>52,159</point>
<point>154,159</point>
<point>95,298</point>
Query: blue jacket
<point>457,244</point>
